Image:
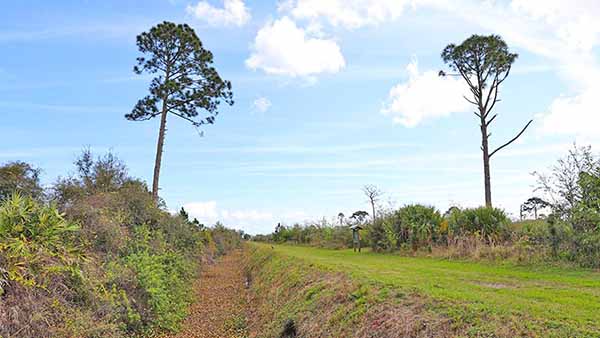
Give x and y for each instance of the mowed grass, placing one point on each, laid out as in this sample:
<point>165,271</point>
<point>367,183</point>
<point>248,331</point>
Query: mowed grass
<point>546,300</point>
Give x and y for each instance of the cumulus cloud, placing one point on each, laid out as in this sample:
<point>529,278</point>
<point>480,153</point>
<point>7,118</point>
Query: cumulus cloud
<point>233,13</point>
<point>425,96</point>
<point>262,104</point>
<point>566,33</point>
<point>283,48</point>
<point>574,27</point>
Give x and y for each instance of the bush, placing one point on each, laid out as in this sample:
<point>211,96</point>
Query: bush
<point>381,234</point>
<point>418,225</point>
<point>39,266</point>
<point>489,223</point>
<point>413,225</point>
<point>152,279</point>
<point>536,231</point>
<point>586,249</point>
<point>36,242</point>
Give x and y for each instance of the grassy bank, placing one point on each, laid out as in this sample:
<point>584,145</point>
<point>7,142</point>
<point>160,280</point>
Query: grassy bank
<point>477,299</point>
<point>286,293</point>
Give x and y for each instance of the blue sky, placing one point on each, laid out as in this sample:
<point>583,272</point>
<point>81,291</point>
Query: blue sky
<point>330,96</point>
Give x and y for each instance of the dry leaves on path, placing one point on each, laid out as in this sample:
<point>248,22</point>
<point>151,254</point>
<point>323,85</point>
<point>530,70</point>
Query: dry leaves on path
<point>219,310</point>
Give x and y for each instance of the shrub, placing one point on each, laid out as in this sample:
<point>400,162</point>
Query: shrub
<point>381,234</point>
<point>36,242</point>
<point>537,231</point>
<point>418,225</point>
<point>586,249</point>
<point>490,223</point>
<point>39,266</point>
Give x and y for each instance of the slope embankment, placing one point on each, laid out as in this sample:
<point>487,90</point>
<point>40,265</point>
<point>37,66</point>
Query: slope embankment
<point>337,293</point>
<point>292,297</point>
<point>266,291</point>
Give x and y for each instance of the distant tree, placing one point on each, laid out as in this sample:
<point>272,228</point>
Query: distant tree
<point>19,177</point>
<point>484,62</point>
<point>534,204</point>
<point>451,210</point>
<point>373,194</point>
<point>279,228</point>
<point>104,174</point>
<point>184,214</point>
<point>359,216</point>
<point>573,183</point>
<point>186,83</point>
<point>341,218</point>
<point>197,223</point>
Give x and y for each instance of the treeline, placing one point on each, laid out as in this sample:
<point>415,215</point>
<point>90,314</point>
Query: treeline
<point>94,255</point>
<point>563,226</point>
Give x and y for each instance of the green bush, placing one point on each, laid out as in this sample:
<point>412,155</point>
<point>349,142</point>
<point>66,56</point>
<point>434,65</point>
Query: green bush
<point>537,231</point>
<point>40,267</point>
<point>36,242</point>
<point>489,223</point>
<point>381,234</point>
<point>418,225</point>
<point>164,281</point>
<point>586,249</point>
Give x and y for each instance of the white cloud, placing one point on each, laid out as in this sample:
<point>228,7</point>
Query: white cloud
<point>203,211</point>
<point>566,33</point>
<point>574,22</point>
<point>425,96</point>
<point>573,115</point>
<point>348,13</point>
<point>262,104</point>
<point>250,220</point>
<point>572,27</point>
<point>233,13</point>
<point>282,48</point>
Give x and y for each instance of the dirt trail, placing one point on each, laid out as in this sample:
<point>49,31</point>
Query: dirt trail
<point>220,307</point>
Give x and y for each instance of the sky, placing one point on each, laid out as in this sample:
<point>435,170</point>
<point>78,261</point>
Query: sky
<point>330,95</point>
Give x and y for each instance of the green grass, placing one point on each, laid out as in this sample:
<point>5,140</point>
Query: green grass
<point>547,301</point>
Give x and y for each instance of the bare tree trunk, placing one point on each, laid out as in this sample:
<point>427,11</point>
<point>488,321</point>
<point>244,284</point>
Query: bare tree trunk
<point>486,165</point>
<point>373,207</point>
<point>159,151</point>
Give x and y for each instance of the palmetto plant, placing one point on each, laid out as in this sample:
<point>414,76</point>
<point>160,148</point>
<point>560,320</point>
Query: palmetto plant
<point>35,242</point>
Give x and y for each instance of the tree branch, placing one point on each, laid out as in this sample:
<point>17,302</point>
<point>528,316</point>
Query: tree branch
<point>490,121</point>
<point>471,102</point>
<point>514,139</point>
<point>505,75</point>
<point>493,88</point>
<point>185,118</point>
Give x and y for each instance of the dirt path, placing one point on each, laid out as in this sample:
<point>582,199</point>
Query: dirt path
<point>220,307</point>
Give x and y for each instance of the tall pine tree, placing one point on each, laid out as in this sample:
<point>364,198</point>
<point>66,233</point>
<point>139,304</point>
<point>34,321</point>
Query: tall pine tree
<point>186,84</point>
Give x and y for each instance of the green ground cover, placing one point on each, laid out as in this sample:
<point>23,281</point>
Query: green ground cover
<point>544,301</point>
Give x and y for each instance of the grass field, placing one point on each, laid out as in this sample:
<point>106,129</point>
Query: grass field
<point>545,301</point>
